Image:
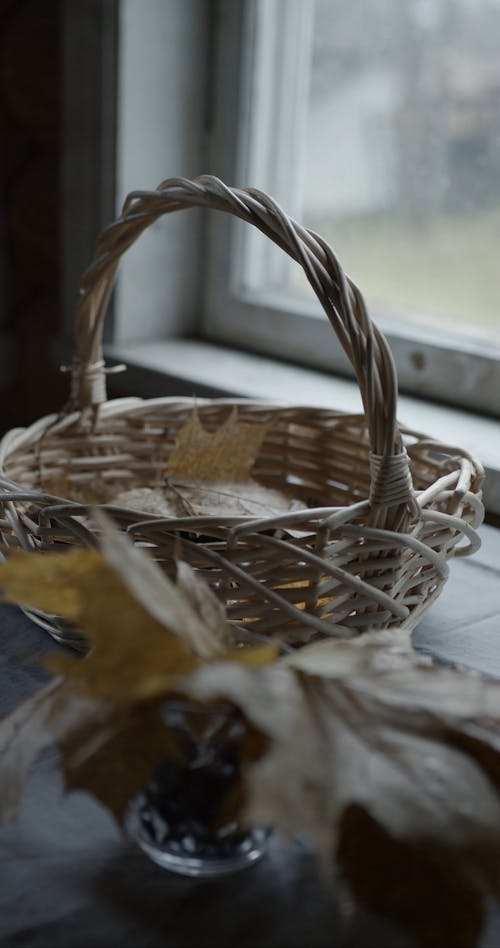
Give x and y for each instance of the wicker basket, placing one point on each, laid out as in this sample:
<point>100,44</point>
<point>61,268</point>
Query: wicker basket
<point>383,507</point>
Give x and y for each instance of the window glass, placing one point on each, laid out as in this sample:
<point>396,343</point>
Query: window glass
<point>401,171</point>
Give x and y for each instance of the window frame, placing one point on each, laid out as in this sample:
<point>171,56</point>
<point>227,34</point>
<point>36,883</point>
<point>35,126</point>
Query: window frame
<point>108,150</point>
<point>460,372</point>
<point>219,53</point>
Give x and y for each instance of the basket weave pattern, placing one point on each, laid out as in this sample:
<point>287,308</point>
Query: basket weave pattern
<point>383,507</point>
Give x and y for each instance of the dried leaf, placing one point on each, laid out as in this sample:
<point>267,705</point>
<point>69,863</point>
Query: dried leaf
<point>148,500</point>
<point>288,787</point>
<point>208,474</point>
<point>188,607</point>
<point>145,632</point>
<point>61,484</point>
<point>120,765</point>
<point>369,741</point>
<point>23,736</point>
<point>57,483</point>
<point>48,715</point>
<point>56,584</point>
<point>253,656</point>
<point>209,611</point>
<point>134,656</point>
<point>144,629</point>
<point>226,454</point>
<point>196,498</point>
<point>362,744</point>
<point>419,886</point>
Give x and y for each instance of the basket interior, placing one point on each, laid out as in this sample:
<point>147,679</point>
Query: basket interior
<point>319,457</point>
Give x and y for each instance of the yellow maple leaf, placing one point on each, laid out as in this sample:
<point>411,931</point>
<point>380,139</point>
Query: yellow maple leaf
<point>254,656</point>
<point>226,454</point>
<point>133,655</point>
<point>144,630</point>
<point>54,583</point>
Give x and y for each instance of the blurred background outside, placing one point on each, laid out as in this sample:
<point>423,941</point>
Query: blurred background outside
<point>402,165</point>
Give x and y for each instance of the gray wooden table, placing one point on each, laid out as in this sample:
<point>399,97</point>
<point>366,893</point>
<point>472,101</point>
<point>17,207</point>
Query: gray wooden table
<point>67,877</point>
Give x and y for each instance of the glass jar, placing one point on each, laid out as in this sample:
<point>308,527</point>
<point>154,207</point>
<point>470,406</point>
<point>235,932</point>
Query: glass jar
<point>183,820</point>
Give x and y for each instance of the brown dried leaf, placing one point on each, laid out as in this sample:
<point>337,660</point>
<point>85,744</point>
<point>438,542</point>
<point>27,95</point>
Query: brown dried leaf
<point>61,484</point>
<point>118,763</point>
<point>210,613</point>
<point>360,743</point>
<point>57,483</point>
<point>368,727</point>
<point>196,498</point>
<point>287,787</point>
<point>226,454</point>
<point>110,753</point>
<point>148,500</point>
<point>144,629</point>
<point>416,884</point>
<point>390,714</point>
<point>145,632</point>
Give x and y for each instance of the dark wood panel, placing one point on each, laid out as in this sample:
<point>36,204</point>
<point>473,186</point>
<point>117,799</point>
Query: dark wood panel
<point>30,127</point>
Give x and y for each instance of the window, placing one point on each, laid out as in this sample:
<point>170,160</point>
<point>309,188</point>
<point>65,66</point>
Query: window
<point>378,125</point>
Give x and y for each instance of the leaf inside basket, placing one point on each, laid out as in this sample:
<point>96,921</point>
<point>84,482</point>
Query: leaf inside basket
<point>208,474</point>
<point>226,454</point>
<point>195,498</point>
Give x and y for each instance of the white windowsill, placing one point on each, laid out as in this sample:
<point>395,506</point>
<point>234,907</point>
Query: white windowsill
<point>196,363</point>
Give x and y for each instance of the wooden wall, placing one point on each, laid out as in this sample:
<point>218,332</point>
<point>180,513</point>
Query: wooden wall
<point>30,126</point>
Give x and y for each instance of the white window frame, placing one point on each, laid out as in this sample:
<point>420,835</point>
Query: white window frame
<point>134,112</point>
<point>460,372</point>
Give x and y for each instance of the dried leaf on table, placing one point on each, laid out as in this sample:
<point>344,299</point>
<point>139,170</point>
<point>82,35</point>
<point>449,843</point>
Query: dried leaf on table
<point>226,454</point>
<point>369,742</point>
<point>390,764</point>
<point>143,628</point>
<point>287,788</point>
<point>428,891</point>
<point>145,632</point>
<point>111,753</point>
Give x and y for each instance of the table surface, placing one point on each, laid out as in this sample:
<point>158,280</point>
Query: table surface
<point>67,876</point>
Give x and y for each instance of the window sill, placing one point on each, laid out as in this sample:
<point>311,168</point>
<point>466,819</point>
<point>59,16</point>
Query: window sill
<point>185,366</point>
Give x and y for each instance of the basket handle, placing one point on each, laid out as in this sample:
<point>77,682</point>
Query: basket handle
<point>342,301</point>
